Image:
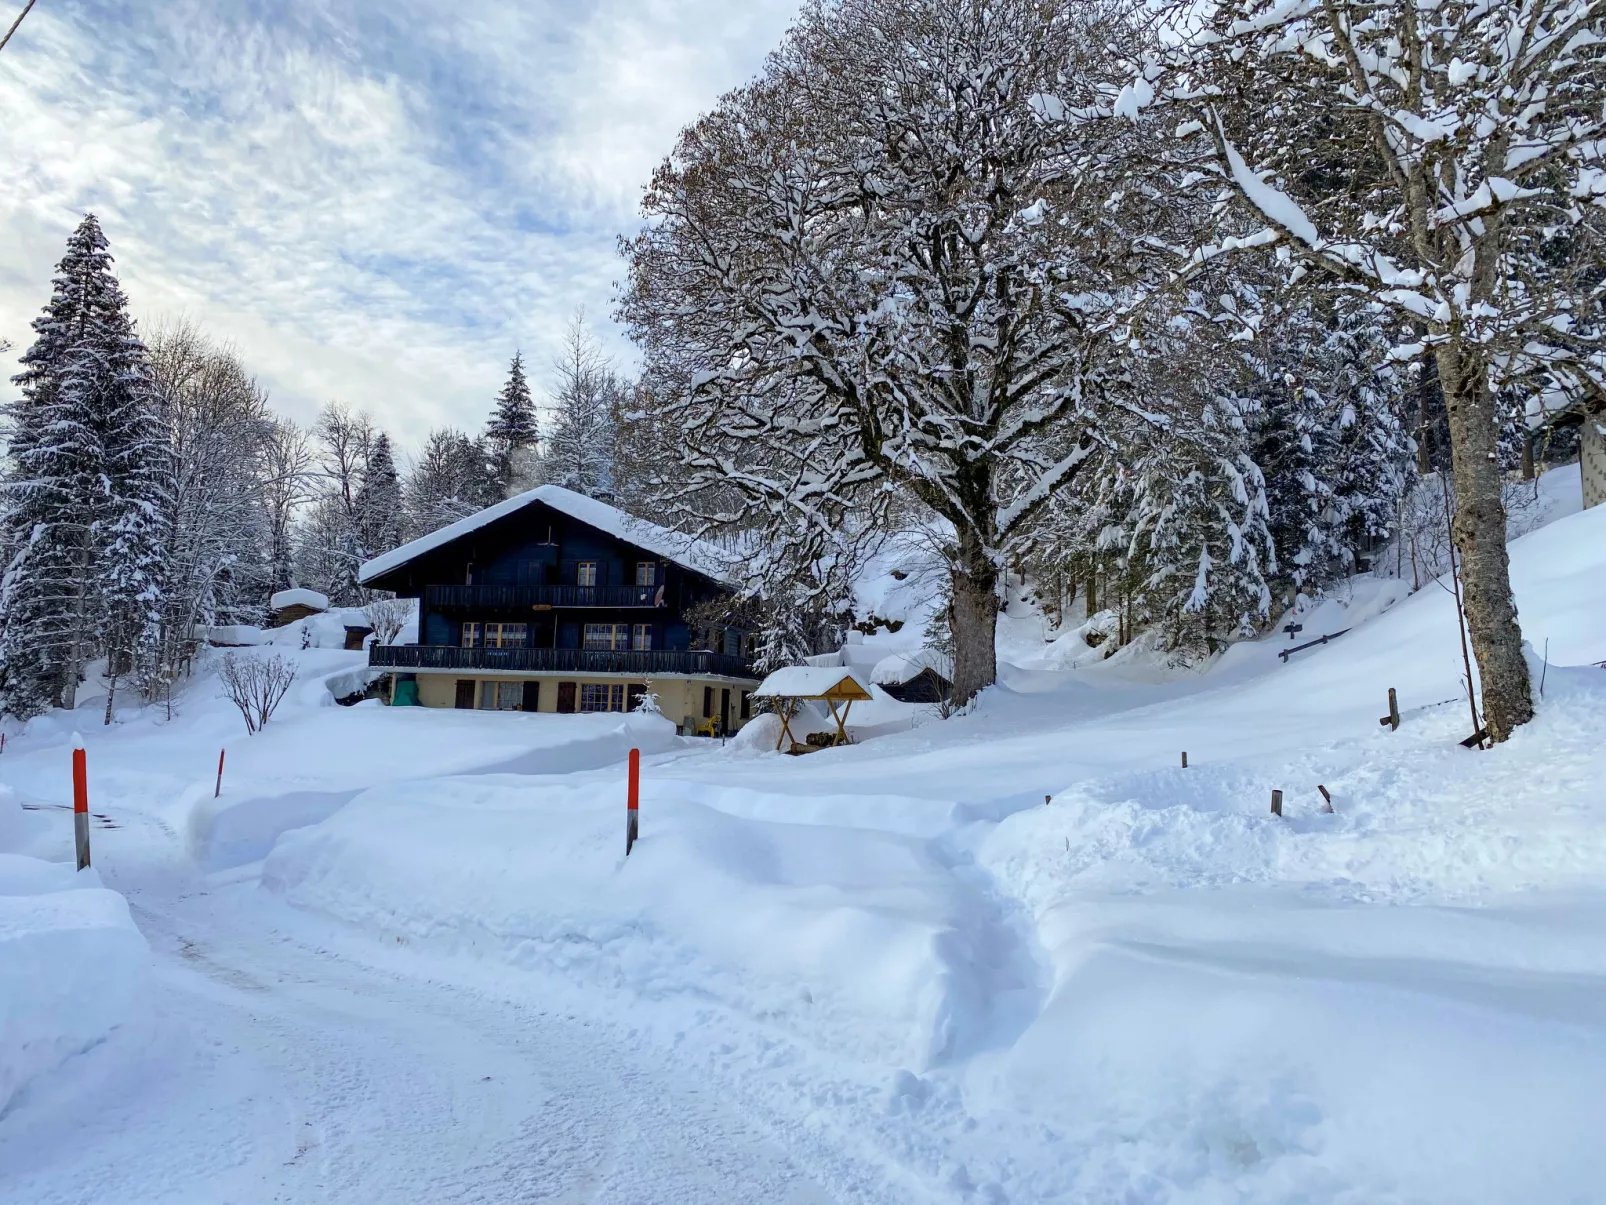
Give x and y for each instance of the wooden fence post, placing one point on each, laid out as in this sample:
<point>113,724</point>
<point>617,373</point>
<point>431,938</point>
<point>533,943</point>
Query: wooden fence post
<point>1392,719</point>
<point>1184,759</point>
<point>633,805</point>
<point>80,801</point>
<point>218,790</point>
<point>1276,803</point>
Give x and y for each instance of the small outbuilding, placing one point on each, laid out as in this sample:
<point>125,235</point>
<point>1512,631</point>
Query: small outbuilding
<point>798,684</point>
<point>923,676</point>
<point>287,606</point>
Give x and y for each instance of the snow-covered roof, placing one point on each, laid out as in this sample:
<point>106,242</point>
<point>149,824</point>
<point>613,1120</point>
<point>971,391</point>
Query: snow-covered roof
<point>671,545</point>
<point>901,667</point>
<point>299,598</point>
<point>810,682</point>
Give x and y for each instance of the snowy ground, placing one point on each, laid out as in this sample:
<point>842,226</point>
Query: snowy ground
<point>403,958</point>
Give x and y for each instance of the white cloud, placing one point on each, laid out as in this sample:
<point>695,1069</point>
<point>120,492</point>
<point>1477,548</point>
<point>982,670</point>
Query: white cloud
<point>375,202</point>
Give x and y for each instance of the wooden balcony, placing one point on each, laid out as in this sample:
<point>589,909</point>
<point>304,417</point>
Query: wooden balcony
<point>527,596</point>
<point>640,664</point>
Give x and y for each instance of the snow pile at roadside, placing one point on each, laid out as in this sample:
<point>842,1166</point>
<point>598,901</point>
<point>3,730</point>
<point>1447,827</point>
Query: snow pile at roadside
<point>857,939</point>
<point>1267,1002</point>
<point>241,826</point>
<point>72,965</point>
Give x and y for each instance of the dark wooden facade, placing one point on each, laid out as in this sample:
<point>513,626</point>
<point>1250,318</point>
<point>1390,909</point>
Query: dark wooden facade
<point>581,600</point>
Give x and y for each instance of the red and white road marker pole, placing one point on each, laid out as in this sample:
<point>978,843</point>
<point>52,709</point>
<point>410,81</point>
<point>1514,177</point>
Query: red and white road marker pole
<point>218,790</point>
<point>80,801</point>
<point>633,807</point>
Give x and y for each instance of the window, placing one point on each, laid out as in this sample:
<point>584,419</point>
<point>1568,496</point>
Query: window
<point>646,573</point>
<point>708,702</point>
<point>505,635</point>
<point>747,704</point>
<point>602,698</point>
<point>585,573</point>
<point>501,696</point>
<point>471,635</point>
<point>733,642</point>
<point>608,637</point>
<point>641,637</point>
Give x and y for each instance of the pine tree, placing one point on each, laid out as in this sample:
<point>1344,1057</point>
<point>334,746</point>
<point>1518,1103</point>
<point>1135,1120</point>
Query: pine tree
<point>378,502</point>
<point>580,452</point>
<point>512,437</point>
<point>84,490</point>
<point>446,484</point>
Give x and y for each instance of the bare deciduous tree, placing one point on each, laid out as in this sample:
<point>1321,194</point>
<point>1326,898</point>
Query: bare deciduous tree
<point>386,616</point>
<point>255,684</point>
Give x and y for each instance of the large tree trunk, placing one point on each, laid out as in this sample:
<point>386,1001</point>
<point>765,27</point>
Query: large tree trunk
<point>1480,538</point>
<point>974,621</point>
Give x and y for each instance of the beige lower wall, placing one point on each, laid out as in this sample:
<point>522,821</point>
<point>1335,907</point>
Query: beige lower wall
<point>678,698</point>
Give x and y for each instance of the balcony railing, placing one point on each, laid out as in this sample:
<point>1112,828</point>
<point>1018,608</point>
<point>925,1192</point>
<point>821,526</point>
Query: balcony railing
<point>561,661</point>
<point>542,596</point>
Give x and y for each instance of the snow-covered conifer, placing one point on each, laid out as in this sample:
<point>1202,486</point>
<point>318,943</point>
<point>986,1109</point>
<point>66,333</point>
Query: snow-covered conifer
<point>378,502</point>
<point>580,448</point>
<point>84,489</point>
<point>513,434</point>
<point>447,482</point>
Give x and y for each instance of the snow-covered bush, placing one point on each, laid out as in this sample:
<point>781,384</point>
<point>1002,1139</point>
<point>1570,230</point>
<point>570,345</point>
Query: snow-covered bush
<point>255,684</point>
<point>387,616</point>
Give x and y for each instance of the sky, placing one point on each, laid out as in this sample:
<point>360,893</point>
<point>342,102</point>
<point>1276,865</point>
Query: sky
<point>374,201</point>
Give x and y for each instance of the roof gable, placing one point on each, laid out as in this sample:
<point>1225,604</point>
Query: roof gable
<point>674,546</point>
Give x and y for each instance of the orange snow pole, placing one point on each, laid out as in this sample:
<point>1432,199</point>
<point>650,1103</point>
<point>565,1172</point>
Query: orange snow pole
<point>80,802</point>
<point>633,804</point>
<point>219,788</point>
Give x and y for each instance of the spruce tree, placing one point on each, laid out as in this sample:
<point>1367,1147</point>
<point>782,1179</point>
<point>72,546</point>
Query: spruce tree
<point>378,502</point>
<point>513,435</point>
<point>84,486</point>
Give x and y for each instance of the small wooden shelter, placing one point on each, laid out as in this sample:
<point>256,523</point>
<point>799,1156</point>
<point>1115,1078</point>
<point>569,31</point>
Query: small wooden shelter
<point>797,684</point>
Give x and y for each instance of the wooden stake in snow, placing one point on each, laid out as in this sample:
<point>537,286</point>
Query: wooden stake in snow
<point>1184,759</point>
<point>80,801</point>
<point>219,788</point>
<point>633,805</point>
<point>1276,803</point>
<point>1392,719</point>
<point>1327,796</point>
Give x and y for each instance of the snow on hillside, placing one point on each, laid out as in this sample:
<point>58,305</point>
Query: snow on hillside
<point>916,977</point>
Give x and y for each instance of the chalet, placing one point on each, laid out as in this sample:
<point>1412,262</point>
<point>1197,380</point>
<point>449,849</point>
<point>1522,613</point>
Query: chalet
<point>552,601</point>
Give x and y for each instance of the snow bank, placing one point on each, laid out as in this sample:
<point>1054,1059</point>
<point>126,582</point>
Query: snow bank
<point>72,966</point>
<point>1238,996</point>
<point>856,938</point>
<point>241,825</point>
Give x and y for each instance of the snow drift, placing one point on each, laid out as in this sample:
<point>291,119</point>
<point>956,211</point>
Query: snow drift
<point>854,937</point>
<point>72,965</point>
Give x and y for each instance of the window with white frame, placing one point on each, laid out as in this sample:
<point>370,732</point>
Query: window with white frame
<point>602,698</point>
<point>501,696</point>
<point>641,637</point>
<point>607,637</point>
<point>585,573</point>
<point>506,635</point>
<point>471,635</point>
<point>646,573</point>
